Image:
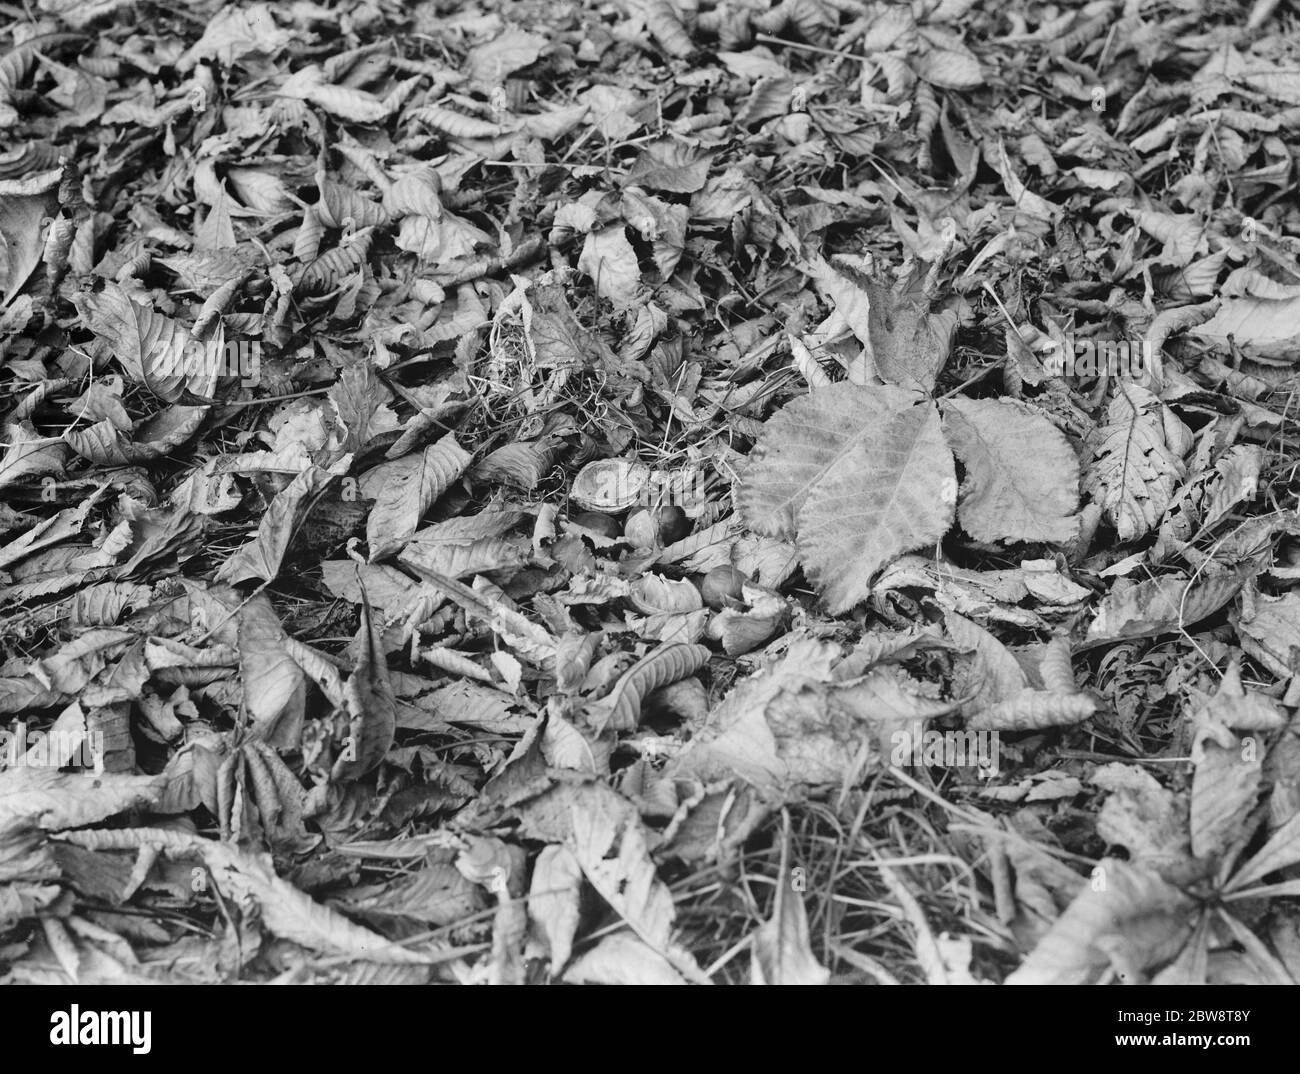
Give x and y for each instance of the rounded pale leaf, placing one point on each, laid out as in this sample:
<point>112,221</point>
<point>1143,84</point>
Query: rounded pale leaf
<point>608,258</point>
<point>1022,477</point>
<point>803,442</point>
<point>891,492</point>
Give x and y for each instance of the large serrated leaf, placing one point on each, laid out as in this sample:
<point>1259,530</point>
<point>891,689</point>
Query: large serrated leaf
<point>803,442</point>
<point>893,493</point>
<point>1022,477</point>
<point>1136,461</point>
<point>472,705</point>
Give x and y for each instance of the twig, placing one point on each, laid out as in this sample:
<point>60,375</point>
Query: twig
<point>201,401</point>
<point>769,39</point>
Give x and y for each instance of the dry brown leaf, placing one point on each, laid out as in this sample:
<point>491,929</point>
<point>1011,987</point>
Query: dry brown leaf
<point>1021,473</point>
<point>369,703</point>
<point>621,709</point>
<point>1126,919</point>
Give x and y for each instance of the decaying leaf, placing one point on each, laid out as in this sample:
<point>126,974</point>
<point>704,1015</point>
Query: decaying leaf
<point>1159,605</point>
<point>621,958</point>
<point>1137,461</point>
<point>1224,790</point>
<point>1126,920</point>
<point>293,915</point>
<point>1142,816</point>
<point>877,504</point>
<point>803,444</point>
<point>1021,473</point>
<point>553,903</point>
<point>403,490</point>
<point>369,704</point>
<point>273,682</point>
<point>501,474</point>
<point>621,710</point>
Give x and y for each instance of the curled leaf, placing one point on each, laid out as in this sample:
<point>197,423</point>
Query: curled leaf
<point>621,710</point>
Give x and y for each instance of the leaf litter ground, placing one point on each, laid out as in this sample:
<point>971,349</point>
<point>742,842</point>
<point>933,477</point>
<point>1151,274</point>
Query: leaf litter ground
<point>648,492</point>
